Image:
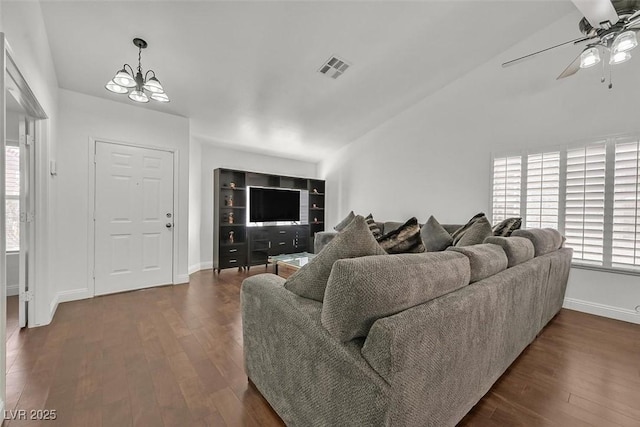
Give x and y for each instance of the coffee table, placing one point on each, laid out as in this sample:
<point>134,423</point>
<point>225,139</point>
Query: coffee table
<point>288,264</point>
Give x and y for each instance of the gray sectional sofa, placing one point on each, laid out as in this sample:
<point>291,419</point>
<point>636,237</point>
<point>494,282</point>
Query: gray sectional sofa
<point>402,340</point>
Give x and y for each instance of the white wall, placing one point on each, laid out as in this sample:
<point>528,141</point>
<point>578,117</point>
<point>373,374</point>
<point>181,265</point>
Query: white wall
<point>83,117</point>
<point>434,158</point>
<point>195,203</point>
<point>214,156</point>
<point>25,31</point>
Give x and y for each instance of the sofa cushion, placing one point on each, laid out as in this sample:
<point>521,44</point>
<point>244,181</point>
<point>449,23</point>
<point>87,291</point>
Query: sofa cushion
<point>373,226</point>
<point>484,260</point>
<point>475,234</point>
<point>517,249</point>
<point>354,241</point>
<point>506,227</point>
<point>362,290</point>
<point>434,237</point>
<point>346,221</point>
<point>460,231</point>
<point>405,239</point>
<point>389,226</point>
<point>544,240</point>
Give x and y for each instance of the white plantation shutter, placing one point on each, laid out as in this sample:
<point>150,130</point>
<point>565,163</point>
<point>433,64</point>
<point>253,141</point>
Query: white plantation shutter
<point>626,205</point>
<point>12,206</point>
<point>507,178</point>
<point>543,190</point>
<point>585,198</point>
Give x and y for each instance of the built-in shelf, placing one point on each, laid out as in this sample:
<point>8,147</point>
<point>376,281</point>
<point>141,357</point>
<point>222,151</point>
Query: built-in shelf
<point>234,189</point>
<point>232,225</point>
<point>315,194</point>
<point>233,207</point>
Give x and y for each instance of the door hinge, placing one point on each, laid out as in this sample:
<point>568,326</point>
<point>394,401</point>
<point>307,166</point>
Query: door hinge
<point>29,141</point>
<point>26,296</point>
<point>27,216</point>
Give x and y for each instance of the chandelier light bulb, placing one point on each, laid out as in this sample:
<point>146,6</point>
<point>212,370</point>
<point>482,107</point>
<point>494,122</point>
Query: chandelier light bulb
<point>625,42</point>
<point>619,58</point>
<point>138,96</point>
<point>160,97</point>
<point>589,57</point>
<point>111,86</point>
<point>124,79</point>
<point>153,85</point>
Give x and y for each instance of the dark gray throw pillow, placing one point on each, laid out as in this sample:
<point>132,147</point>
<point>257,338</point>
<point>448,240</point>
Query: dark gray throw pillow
<point>434,237</point>
<point>354,241</point>
<point>460,231</point>
<point>346,221</point>
<point>404,239</point>
<point>506,227</point>
<point>474,235</point>
<point>373,226</point>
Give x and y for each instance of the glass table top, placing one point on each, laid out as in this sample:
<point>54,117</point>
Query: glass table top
<point>295,260</point>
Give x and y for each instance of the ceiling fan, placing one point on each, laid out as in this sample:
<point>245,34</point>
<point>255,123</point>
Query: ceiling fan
<point>609,27</point>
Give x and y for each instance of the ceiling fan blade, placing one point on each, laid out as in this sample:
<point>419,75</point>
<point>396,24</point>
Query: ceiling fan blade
<point>573,68</point>
<point>597,11</point>
<point>531,55</point>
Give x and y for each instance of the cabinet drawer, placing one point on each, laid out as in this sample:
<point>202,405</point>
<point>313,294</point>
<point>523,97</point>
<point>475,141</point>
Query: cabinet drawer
<point>232,261</point>
<point>233,251</point>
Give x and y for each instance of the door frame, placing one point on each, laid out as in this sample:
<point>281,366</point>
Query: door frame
<point>91,247</point>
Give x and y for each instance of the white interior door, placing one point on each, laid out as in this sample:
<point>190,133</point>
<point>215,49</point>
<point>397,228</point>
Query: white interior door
<point>133,218</point>
<point>27,213</point>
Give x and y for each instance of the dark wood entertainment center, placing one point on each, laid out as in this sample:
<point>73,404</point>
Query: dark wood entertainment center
<point>236,244</point>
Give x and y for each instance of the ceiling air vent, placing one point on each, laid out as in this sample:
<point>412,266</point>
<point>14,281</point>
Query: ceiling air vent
<point>334,67</point>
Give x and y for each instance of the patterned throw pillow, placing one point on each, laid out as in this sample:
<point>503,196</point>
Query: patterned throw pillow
<point>404,239</point>
<point>373,226</point>
<point>506,227</point>
<point>456,235</point>
<point>346,221</point>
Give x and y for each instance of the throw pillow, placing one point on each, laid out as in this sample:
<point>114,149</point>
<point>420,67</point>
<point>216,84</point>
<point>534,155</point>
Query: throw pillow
<point>474,235</point>
<point>373,226</point>
<point>354,241</point>
<point>434,237</point>
<point>405,239</point>
<point>506,227</point>
<point>460,231</point>
<point>346,221</point>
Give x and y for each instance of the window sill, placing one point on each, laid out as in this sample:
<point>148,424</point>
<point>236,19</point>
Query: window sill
<point>615,270</point>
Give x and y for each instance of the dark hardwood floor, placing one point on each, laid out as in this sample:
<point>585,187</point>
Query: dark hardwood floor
<point>172,356</point>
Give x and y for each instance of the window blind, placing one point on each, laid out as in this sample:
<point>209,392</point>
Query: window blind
<point>507,173</point>
<point>12,206</point>
<point>543,190</point>
<point>585,198</point>
<point>626,205</point>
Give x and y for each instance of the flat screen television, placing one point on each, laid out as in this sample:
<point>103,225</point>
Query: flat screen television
<point>273,204</point>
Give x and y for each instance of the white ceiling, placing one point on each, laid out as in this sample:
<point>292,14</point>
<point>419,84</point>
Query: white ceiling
<point>245,73</point>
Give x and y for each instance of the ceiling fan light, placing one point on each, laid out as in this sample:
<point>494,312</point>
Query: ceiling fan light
<point>589,57</point>
<point>123,78</point>
<point>160,97</point>
<point>625,42</point>
<point>619,58</point>
<point>153,85</point>
<point>111,86</point>
<point>138,96</point>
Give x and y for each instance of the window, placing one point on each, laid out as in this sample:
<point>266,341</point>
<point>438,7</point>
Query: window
<point>543,190</point>
<point>626,205</point>
<point>506,187</point>
<point>12,207</point>
<point>590,193</point>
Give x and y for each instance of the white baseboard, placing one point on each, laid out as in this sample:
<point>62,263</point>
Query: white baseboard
<point>73,295</point>
<point>12,290</point>
<point>53,307</point>
<point>181,278</point>
<point>202,266</point>
<point>193,268</point>
<point>603,310</point>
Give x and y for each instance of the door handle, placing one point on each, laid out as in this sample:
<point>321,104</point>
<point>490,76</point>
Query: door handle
<point>169,225</point>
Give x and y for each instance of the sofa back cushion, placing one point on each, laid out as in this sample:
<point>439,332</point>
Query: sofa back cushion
<point>485,260</point>
<point>354,241</point>
<point>544,240</point>
<point>517,249</point>
<point>434,236</point>
<point>362,290</point>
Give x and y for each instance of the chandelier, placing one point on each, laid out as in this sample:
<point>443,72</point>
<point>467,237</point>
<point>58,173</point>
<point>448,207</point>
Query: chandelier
<point>139,85</point>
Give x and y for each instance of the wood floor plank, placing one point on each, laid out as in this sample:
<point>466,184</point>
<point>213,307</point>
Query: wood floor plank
<point>172,356</point>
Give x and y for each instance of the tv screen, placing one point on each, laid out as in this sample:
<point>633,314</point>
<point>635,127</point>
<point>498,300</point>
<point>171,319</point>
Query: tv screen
<point>271,204</point>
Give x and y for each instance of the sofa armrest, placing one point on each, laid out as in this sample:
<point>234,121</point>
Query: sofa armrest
<point>321,239</point>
